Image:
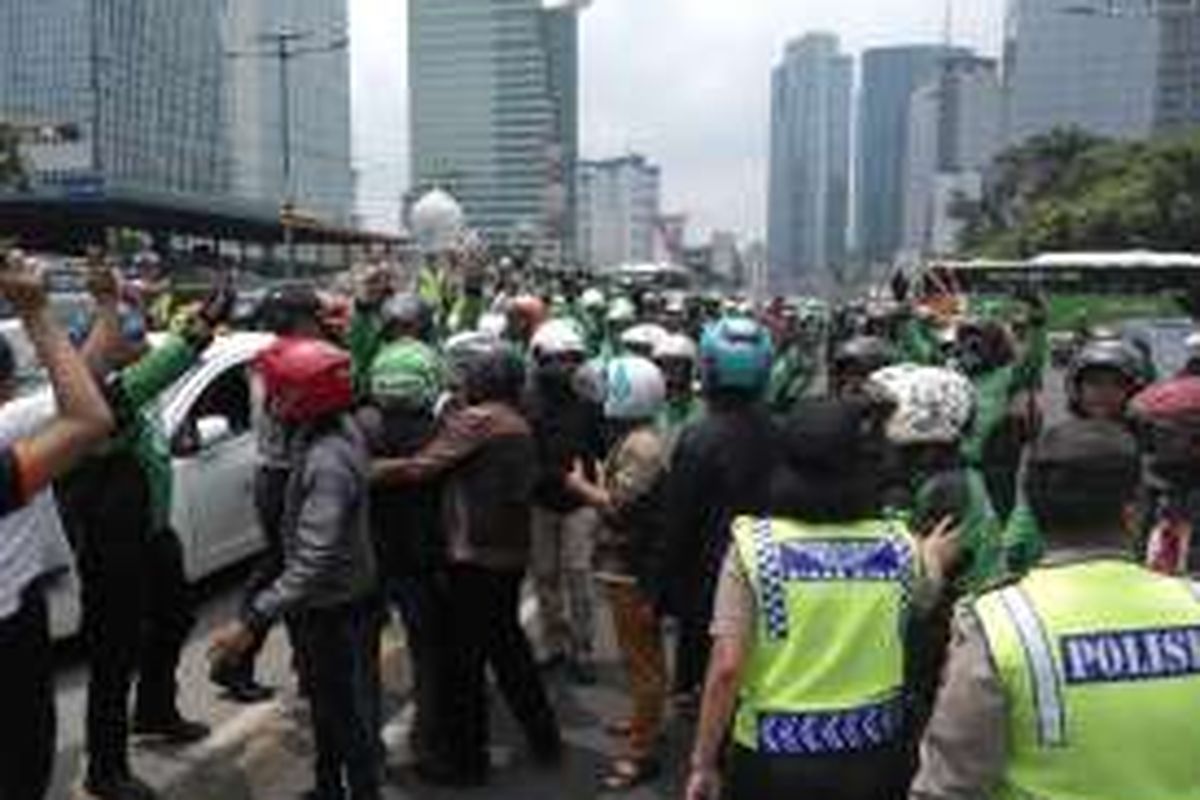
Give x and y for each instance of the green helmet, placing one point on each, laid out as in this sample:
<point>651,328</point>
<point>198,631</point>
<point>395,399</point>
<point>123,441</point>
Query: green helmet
<point>407,373</point>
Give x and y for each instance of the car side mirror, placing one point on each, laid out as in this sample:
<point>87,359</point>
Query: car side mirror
<point>212,430</point>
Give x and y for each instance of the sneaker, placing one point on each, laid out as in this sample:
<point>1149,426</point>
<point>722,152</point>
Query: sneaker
<point>172,731</point>
<point>126,787</point>
<point>239,686</point>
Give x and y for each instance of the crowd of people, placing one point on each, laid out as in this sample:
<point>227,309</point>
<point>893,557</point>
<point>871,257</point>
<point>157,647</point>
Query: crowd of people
<point>842,541</point>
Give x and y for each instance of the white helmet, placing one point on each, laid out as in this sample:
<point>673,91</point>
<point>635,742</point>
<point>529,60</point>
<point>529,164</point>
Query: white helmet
<point>621,311</point>
<point>643,339</point>
<point>1192,343</point>
<point>492,323</point>
<point>676,346</point>
<point>592,299</point>
<point>557,337</point>
<point>634,389</point>
<point>934,405</point>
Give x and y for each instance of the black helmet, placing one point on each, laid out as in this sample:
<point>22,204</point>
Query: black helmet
<point>484,367</point>
<point>286,308</point>
<point>1115,355</point>
<point>862,354</point>
<point>407,314</point>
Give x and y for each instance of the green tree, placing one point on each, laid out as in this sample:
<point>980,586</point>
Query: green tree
<point>1071,191</point>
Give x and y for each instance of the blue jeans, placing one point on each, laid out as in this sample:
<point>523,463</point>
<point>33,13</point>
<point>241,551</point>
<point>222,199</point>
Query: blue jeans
<point>336,649</point>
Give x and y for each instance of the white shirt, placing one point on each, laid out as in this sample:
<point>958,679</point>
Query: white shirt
<point>32,541</point>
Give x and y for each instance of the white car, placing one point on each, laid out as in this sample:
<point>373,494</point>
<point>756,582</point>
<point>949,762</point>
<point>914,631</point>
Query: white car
<point>206,416</point>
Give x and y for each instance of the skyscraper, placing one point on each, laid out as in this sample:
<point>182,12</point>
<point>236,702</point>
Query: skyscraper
<point>618,211</point>
<point>1177,103</point>
<point>890,75</point>
<point>166,116</point>
<point>808,194</point>
<point>1097,71</point>
<point>141,83</point>
<point>494,112</point>
<point>317,104</point>
<point>955,130</point>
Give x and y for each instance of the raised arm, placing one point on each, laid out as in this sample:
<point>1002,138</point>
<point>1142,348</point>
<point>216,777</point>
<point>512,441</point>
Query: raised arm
<point>84,417</point>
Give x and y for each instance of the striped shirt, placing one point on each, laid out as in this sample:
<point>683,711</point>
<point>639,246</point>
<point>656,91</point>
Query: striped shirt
<point>32,541</point>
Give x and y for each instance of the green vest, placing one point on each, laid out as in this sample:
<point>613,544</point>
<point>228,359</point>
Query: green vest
<point>1100,664</point>
<point>826,669</point>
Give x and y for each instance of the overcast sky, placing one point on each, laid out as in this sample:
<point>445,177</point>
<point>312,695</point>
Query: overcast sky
<point>685,82</point>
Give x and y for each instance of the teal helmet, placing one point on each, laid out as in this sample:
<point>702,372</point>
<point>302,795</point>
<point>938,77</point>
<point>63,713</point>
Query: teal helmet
<point>735,354</point>
<point>407,373</point>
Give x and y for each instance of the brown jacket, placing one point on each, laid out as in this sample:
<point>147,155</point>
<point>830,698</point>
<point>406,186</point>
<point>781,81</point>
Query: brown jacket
<point>487,456</point>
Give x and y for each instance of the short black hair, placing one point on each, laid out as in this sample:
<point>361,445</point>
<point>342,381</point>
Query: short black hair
<point>287,308</point>
<point>1080,477</point>
<point>829,460</point>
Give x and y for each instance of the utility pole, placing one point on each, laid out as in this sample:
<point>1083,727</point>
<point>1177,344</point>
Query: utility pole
<point>284,46</point>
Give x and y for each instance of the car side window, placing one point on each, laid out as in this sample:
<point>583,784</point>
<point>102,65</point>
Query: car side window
<point>227,396</point>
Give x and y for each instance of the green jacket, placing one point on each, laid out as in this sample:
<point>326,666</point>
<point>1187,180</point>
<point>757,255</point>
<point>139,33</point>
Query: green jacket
<point>978,522</point>
<point>364,339</point>
<point>791,376</point>
<point>919,343</point>
<point>1023,542</point>
<point>136,388</point>
<point>994,391</point>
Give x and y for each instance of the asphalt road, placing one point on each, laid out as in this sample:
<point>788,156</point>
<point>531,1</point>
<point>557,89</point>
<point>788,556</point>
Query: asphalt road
<point>262,752</point>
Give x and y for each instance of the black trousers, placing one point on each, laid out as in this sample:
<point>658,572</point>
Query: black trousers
<point>692,643</point>
<point>875,775</point>
<point>27,700</point>
<point>270,489</point>
<point>422,600</point>
<point>484,607</point>
<point>337,646</point>
<point>137,614</point>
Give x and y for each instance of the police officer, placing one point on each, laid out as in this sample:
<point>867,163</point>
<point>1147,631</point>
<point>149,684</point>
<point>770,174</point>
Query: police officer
<point>1083,678</point>
<point>807,625</point>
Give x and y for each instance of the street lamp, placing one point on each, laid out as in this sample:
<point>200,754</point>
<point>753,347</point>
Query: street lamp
<point>284,46</point>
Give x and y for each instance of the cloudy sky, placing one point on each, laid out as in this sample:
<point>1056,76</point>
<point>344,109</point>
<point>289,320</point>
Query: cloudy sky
<point>685,82</point>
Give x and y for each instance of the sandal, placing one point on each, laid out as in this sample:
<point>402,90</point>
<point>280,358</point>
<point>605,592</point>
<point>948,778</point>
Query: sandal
<point>626,773</point>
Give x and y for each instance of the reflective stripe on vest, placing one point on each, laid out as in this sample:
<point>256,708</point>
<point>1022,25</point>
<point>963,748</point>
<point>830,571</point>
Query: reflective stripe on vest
<point>1099,661</point>
<point>811,686</point>
<point>844,731</point>
<point>770,576</point>
<point>1039,660</point>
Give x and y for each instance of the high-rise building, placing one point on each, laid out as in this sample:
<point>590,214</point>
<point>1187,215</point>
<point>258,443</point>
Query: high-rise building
<point>320,179</point>
<point>726,260</point>
<point>1078,63</point>
<point>494,112</point>
<point>141,84</point>
<point>165,115</point>
<point>1177,103</point>
<point>955,130</point>
<point>618,211</point>
<point>808,194</point>
<point>890,75</point>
